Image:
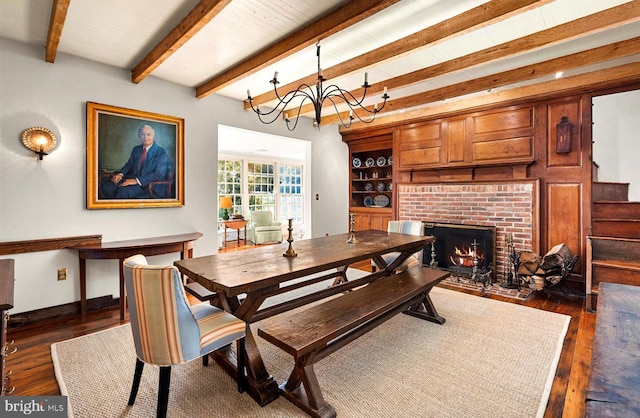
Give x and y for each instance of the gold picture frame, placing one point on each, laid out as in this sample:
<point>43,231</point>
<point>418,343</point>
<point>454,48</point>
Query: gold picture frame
<point>118,176</point>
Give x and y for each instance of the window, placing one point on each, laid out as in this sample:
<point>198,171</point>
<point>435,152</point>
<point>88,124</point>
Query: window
<point>261,184</point>
<point>230,184</point>
<point>258,185</point>
<point>291,198</point>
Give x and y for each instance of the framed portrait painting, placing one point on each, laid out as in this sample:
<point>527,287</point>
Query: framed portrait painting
<point>135,159</point>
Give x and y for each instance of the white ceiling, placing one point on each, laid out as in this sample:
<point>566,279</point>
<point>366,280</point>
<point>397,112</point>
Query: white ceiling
<point>122,32</point>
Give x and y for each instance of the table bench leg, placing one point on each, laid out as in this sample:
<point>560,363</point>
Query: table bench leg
<point>303,390</point>
<point>425,309</point>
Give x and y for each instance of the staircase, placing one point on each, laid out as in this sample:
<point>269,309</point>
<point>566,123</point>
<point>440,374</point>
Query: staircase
<point>613,249</point>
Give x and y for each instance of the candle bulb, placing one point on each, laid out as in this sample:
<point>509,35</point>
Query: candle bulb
<point>350,114</point>
<point>275,75</point>
<point>248,93</point>
<point>385,91</point>
<point>366,77</point>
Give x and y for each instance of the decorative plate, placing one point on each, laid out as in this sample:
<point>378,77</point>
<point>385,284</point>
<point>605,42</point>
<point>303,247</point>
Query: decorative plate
<point>381,200</point>
<point>389,186</point>
<point>381,161</point>
<point>368,201</point>
<point>381,187</point>
<point>368,186</point>
<point>356,162</point>
<point>390,160</point>
<point>370,162</point>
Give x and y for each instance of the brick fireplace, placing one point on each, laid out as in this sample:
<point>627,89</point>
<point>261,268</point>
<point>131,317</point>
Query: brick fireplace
<point>511,207</point>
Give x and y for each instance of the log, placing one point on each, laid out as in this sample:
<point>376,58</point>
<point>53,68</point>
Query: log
<point>556,257</point>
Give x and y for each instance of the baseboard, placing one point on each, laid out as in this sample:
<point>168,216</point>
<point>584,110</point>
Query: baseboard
<point>73,308</point>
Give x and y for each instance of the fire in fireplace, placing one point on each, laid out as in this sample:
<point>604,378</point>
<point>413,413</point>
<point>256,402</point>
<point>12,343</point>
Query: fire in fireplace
<point>464,250</point>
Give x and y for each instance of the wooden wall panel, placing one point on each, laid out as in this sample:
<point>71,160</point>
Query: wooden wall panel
<point>563,216</point>
<point>508,119</point>
<point>556,111</point>
<point>420,145</point>
<point>513,149</point>
<point>456,141</point>
<point>417,157</point>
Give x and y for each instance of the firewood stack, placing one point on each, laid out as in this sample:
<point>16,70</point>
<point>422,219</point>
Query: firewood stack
<point>543,272</point>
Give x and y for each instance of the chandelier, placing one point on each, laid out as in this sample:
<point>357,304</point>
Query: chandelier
<point>317,97</point>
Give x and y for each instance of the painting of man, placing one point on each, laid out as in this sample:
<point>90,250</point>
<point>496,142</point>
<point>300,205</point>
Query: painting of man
<point>135,159</point>
<point>148,163</point>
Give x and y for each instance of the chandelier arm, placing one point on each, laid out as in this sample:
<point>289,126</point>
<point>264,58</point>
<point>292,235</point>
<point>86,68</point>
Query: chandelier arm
<point>300,88</point>
<point>281,106</point>
<point>335,91</point>
<point>297,116</point>
<point>335,107</point>
<point>353,112</point>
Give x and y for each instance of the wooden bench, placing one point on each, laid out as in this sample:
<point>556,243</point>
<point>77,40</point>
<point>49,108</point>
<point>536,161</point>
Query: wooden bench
<point>313,333</point>
<point>614,382</point>
<point>200,292</point>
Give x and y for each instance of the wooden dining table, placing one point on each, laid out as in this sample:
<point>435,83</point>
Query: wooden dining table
<point>243,281</point>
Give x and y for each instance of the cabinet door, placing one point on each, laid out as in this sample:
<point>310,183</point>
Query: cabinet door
<point>380,222</point>
<point>362,221</point>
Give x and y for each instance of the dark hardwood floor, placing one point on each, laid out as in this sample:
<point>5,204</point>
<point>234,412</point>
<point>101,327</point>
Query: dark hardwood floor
<point>32,368</point>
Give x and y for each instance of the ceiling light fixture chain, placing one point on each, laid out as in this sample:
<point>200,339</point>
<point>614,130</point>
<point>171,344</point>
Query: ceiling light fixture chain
<point>306,92</point>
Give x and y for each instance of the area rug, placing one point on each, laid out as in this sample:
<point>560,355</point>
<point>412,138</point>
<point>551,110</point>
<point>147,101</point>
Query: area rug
<point>490,359</point>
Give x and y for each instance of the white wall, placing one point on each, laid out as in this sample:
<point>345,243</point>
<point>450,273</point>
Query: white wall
<point>47,199</point>
<point>616,139</point>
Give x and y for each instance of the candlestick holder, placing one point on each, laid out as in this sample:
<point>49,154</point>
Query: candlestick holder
<point>290,252</point>
<point>434,263</point>
<point>352,238</point>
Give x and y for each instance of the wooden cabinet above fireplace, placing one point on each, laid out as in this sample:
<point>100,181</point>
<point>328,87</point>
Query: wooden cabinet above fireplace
<point>498,142</point>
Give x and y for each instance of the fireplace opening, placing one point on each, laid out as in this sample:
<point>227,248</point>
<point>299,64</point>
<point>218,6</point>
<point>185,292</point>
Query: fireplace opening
<point>464,250</point>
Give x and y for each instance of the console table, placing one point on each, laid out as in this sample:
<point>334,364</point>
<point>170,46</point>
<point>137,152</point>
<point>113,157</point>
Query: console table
<point>120,250</point>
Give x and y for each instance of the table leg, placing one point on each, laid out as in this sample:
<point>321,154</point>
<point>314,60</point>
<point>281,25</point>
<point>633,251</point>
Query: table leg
<point>83,286</point>
<point>122,294</point>
<point>260,385</point>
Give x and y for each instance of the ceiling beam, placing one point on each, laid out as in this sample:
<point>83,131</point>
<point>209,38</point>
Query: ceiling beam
<point>191,24</point>
<point>529,72</point>
<point>476,18</point>
<point>56,24</point>
<point>337,20</point>
<point>616,16</point>
<point>582,83</point>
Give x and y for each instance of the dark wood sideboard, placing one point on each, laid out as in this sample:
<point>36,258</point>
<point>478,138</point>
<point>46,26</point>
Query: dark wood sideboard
<point>6,303</point>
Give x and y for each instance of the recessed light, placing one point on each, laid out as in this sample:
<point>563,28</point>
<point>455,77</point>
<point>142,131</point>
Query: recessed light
<point>262,150</point>
<point>559,74</point>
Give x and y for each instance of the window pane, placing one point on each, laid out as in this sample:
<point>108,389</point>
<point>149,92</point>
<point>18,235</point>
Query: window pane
<point>229,181</point>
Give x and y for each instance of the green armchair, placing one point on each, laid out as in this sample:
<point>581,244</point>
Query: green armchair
<point>263,228</point>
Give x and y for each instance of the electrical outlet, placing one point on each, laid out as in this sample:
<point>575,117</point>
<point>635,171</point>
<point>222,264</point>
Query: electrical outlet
<point>62,274</point>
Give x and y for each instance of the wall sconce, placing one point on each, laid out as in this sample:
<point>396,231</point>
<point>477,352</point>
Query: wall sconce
<point>563,136</point>
<point>39,140</point>
<point>226,204</point>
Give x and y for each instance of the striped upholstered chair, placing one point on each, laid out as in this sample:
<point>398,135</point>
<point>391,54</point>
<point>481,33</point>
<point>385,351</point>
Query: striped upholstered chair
<point>167,331</point>
<point>403,227</point>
